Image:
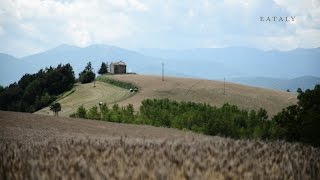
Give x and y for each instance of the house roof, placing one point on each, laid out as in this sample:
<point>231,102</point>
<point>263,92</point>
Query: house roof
<point>119,63</point>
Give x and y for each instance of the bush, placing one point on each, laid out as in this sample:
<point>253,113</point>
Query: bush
<point>87,77</point>
<point>125,85</point>
<point>81,112</point>
<point>93,113</point>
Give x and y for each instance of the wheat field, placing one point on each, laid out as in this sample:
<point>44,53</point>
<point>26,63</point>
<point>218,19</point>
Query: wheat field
<point>45,147</point>
<point>206,91</point>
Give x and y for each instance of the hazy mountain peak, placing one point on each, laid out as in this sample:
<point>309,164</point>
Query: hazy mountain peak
<point>6,56</point>
<point>65,47</point>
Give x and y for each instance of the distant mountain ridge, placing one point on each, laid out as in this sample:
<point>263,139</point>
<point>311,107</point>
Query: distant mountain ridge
<point>12,69</point>
<point>204,63</point>
<point>303,82</point>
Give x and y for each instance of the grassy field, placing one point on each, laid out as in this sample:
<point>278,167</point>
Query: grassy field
<point>181,89</point>
<point>206,91</point>
<point>88,96</point>
<point>46,147</point>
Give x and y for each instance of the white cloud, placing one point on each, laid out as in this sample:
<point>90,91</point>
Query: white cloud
<point>42,24</point>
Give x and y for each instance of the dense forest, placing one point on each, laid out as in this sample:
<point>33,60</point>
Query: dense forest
<point>35,91</point>
<point>297,123</point>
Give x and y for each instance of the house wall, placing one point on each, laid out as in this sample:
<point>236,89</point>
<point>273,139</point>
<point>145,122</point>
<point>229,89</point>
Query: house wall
<point>118,69</point>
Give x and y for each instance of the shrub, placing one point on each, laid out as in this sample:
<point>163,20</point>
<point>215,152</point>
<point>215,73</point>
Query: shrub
<point>81,112</point>
<point>93,113</point>
<point>86,77</point>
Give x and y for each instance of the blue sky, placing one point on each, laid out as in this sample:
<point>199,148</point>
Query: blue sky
<point>31,26</point>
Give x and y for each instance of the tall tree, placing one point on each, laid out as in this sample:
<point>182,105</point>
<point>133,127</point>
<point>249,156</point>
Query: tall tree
<point>103,69</point>
<point>88,67</point>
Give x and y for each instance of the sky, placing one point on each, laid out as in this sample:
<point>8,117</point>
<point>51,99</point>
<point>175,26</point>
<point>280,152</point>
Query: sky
<point>32,26</point>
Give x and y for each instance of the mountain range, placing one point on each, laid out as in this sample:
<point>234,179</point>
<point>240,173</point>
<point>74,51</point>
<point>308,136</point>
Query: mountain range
<point>272,69</point>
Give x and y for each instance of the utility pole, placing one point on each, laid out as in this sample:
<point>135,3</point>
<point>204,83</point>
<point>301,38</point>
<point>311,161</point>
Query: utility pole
<point>162,71</point>
<point>224,86</point>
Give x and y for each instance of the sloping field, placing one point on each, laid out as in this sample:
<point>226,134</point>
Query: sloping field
<point>88,96</point>
<point>206,91</point>
<point>46,147</point>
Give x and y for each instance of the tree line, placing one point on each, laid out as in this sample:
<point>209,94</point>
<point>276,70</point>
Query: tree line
<point>35,91</point>
<point>297,123</point>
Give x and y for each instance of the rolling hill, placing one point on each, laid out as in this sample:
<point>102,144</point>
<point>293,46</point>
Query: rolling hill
<point>181,89</point>
<point>88,96</point>
<point>46,147</point>
<point>206,91</point>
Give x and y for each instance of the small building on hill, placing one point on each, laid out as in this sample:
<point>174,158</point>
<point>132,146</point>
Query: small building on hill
<point>118,68</point>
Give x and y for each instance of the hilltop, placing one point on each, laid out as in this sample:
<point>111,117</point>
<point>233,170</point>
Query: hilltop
<point>181,89</point>
<point>206,91</point>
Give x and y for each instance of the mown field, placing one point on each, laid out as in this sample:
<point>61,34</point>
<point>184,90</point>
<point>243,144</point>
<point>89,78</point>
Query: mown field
<point>206,91</point>
<point>88,96</point>
<point>45,147</point>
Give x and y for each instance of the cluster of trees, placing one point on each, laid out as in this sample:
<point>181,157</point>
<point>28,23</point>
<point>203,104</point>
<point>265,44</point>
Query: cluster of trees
<point>35,91</point>
<point>299,122</point>
<point>87,75</point>
<point>115,114</point>
<point>228,120</point>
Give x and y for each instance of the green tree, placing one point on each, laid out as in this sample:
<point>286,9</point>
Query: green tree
<point>35,91</point>
<point>103,69</point>
<point>301,122</point>
<point>87,75</point>
<point>81,112</point>
<point>309,114</point>
<point>88,67</point>
<point>93,113</point>
<point>55,108</point>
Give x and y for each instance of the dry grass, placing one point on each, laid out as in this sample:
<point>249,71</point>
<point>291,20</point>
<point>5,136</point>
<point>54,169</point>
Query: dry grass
<point>88,96</point>
<point>44,147</point>
<point>206,91</point>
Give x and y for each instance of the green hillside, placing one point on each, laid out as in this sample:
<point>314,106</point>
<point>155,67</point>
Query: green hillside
<point>88,96</point>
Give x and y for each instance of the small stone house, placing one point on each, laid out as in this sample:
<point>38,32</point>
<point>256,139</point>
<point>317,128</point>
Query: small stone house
<point>118,68</point>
